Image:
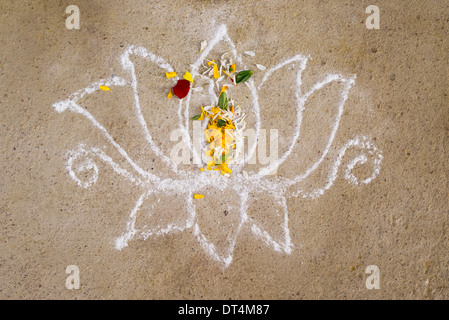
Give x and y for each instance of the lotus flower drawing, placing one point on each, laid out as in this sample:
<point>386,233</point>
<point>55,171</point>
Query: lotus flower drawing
<point>247,190</point>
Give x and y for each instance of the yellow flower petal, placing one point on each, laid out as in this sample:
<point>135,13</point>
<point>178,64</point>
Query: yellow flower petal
<point>216,73</point>
<point>210,62</point>
<point>223,89</point>
<point>215,110</point>
<point>105,88</point>
<point>198,196</point>
<point>188,76</point>
<point>170,74</point>
<point>224,167</point>
<point>170,94</point>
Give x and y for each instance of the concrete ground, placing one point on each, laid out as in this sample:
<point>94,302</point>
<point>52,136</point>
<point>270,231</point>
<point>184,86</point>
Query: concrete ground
<point>261,238</point>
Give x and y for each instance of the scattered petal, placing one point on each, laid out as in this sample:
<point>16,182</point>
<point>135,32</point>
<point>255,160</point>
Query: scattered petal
<point>261,67</point>
<point>216,73</point>
<point>170,74</point>
<point>203,45</point>
<point>198,196</point>
<point>105,88</point>
<point>188,76</point>
<point>250,53</point>
<point>182,88</point>
<point>223,89</point>
<point>170,94</point>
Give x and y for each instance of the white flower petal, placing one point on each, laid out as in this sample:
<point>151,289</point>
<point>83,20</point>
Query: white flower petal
<point>203,45</point>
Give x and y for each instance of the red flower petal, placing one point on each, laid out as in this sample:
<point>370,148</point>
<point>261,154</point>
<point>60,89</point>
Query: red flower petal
<point>182,88</point>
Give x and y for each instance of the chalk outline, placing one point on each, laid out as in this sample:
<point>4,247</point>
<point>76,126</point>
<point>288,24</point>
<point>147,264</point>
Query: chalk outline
<point>189,182</point>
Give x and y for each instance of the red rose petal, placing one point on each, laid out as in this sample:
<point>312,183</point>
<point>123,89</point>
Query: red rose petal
<point>182,88</point>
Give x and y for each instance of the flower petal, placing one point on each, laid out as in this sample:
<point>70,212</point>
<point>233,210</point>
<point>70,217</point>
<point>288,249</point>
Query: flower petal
<point>268,218</point>
<point>319,121</point>
<point>278,107</point>
<point>203,45</point>
<point>109,126</point>
<point>187,76</point>
<point>218,222</point>
<point>182,88</point>
<point>153,112</point>
<point>316,120</point>
<point>170,74</point>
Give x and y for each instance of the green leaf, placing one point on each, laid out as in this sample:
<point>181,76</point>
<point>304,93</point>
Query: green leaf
<point>221,123</point>
<point>244,75</point>
<point>196,117</point>
<point>223,101</point>
<point>221,160</point>
<point>224,157</point>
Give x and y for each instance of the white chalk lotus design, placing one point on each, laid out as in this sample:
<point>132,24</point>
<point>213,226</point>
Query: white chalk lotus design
<point>247,190</point>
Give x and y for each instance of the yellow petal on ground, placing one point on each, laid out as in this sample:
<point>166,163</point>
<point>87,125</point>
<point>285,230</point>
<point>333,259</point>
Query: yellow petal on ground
<point>105,88</point>
<point>210,62</point>
<point>198,196</point>
<point>215,110</point>
<point>170,94</point>
<point>225,168</point>
<point>223,89</point>
<point>188,76</point>
<point>202,169</point>
<point>170,74</point>
<point>216,73</point>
